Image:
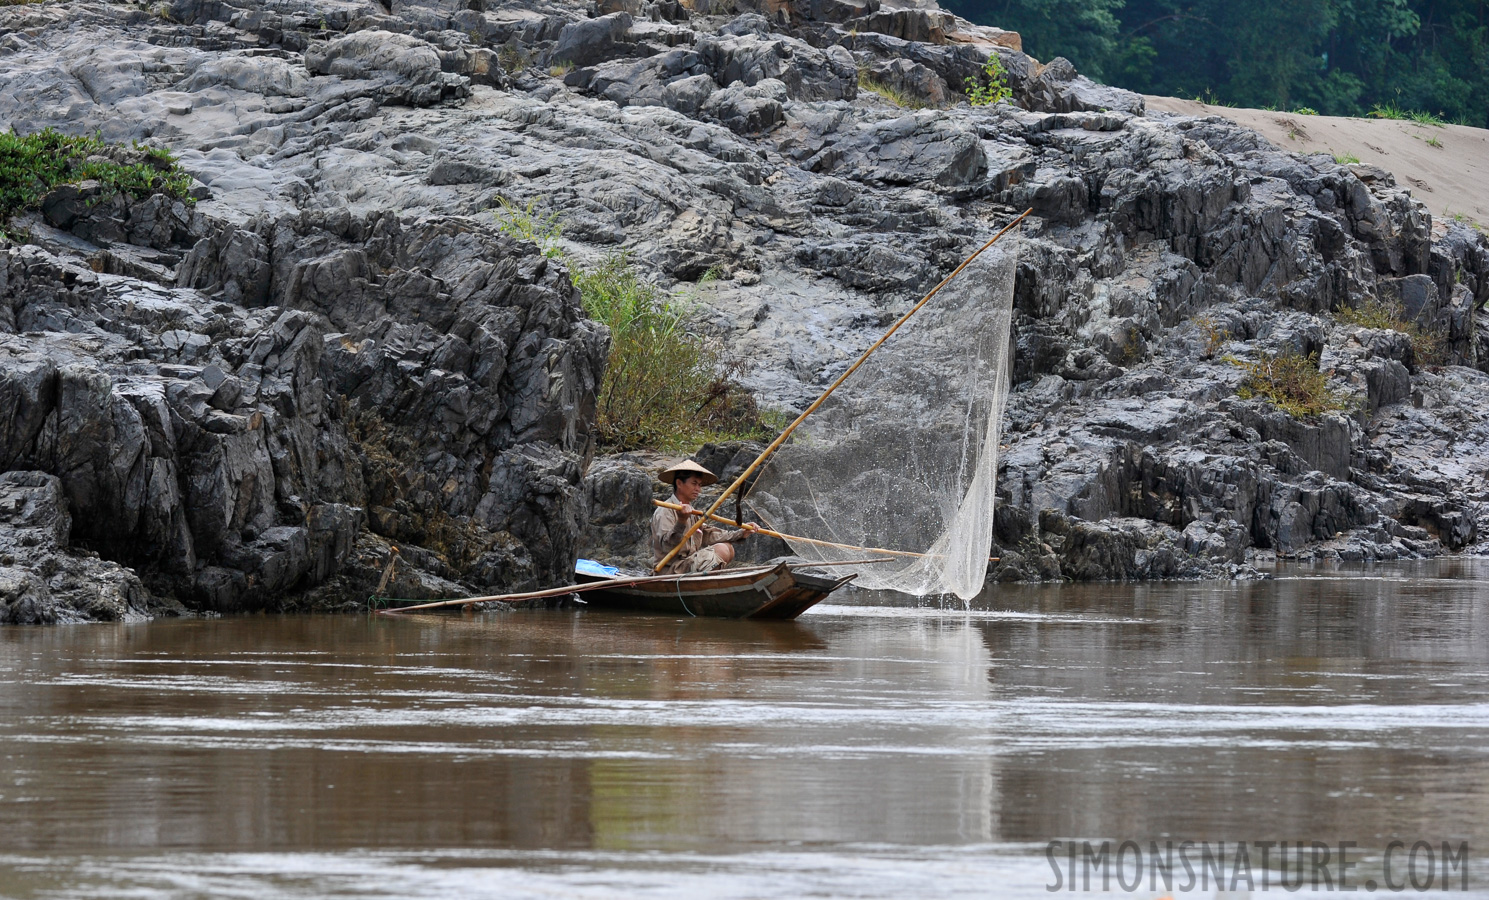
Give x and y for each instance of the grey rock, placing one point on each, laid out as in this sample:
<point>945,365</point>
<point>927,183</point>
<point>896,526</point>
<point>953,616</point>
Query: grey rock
<point>334,351</point>
<point>747,110</point>
<point>591,41</point>
<point>408,69</point>
<point>913,79</point>
<point>42,582</point>
<point>807,73</point>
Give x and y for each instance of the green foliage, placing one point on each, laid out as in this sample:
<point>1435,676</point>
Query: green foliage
<point>894,95</point>
<point>666,386</point>
<point>1291,382</point>
<point>1339,57</point>
<point>1346,159</point>
<point>1086,32</point>
<point>1306,111</point>
<point>1464,219</point>
<point>1391,111</point>
<point>527,224</point>
<point>991,86</point>
<point>1376,313</point>
<point>33,164</point>
<point>1434,141</point>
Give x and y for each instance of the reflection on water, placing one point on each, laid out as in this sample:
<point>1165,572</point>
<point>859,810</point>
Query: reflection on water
<point>876,747</point>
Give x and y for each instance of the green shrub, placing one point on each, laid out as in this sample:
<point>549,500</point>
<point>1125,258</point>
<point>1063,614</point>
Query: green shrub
<point>1375,313</point>
<point>32,165</point>
<point>992,87</point>
<point>666,386</point>
<point>1291,382</point>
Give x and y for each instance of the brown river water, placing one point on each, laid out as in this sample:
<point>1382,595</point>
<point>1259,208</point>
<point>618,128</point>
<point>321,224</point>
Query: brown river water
<point>880,746</point>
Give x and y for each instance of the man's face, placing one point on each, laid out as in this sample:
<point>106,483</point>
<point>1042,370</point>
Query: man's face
<point>687,488</point>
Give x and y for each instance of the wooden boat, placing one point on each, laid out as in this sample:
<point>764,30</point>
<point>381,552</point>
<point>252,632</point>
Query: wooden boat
<point>762,592</point>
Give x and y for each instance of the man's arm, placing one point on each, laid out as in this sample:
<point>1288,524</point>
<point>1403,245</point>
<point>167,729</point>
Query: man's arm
<point>712,535</point>
<point>668,526</point>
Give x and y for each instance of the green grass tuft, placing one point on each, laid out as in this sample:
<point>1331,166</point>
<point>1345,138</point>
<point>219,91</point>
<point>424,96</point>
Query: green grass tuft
<point>1346,159</point>
<point>1392,111</point>
<point>1291,382</point>
<point>866,82</point>
<point>32,165</point>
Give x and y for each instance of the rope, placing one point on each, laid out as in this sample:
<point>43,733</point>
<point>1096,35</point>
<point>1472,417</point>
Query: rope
<point>678,585</point>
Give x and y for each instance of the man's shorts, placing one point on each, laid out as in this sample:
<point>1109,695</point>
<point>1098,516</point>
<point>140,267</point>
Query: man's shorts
<point>704,560</point>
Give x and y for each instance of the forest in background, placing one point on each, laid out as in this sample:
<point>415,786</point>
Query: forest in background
<point>1335,57</point>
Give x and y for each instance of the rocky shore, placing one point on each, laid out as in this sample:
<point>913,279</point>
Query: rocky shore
<point>244,402</point>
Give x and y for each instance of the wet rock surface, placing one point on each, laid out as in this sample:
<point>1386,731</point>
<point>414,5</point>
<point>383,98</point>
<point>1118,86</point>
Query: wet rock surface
<point>247,401</point>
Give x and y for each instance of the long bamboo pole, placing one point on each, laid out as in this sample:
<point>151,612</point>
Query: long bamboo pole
<point>536,595</point>
<point>623,581</point>
<point>805,540</point>
<point>834,386</point>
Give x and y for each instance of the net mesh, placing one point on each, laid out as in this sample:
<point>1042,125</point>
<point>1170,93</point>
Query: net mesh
<point>904,455</point>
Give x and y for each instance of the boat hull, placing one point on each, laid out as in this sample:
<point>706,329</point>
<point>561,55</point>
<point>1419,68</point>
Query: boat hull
<point>772,593</point>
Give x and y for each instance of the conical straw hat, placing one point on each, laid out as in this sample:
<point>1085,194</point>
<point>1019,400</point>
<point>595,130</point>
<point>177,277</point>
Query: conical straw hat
<point>687,467</point>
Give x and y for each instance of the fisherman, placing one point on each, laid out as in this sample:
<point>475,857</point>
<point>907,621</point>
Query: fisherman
<point>708,547</point>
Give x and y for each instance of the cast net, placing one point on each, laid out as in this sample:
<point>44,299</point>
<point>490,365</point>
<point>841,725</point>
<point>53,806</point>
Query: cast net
<point>904,454</point>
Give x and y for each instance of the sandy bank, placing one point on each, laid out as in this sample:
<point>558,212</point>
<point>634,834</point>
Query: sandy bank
<point>1451,179</point>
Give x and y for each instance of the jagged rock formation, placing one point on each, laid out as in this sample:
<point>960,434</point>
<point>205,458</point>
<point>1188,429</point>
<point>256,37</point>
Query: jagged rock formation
<point>334,349</point>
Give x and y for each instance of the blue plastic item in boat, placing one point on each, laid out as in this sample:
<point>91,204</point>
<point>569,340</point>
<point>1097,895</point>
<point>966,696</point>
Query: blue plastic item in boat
<point>590,567</point>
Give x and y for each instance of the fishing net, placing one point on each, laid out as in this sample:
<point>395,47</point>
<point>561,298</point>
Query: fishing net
<point>904,454</point>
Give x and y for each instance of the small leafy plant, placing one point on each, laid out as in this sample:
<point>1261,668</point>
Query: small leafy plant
<point>1215,334</point>
<point>526,223</point>
<point>991,86</point>
<point>1346,159</point>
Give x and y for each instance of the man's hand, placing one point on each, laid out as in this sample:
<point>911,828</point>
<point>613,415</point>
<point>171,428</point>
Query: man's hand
<point>750,528</point>
<point>688,511</point>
